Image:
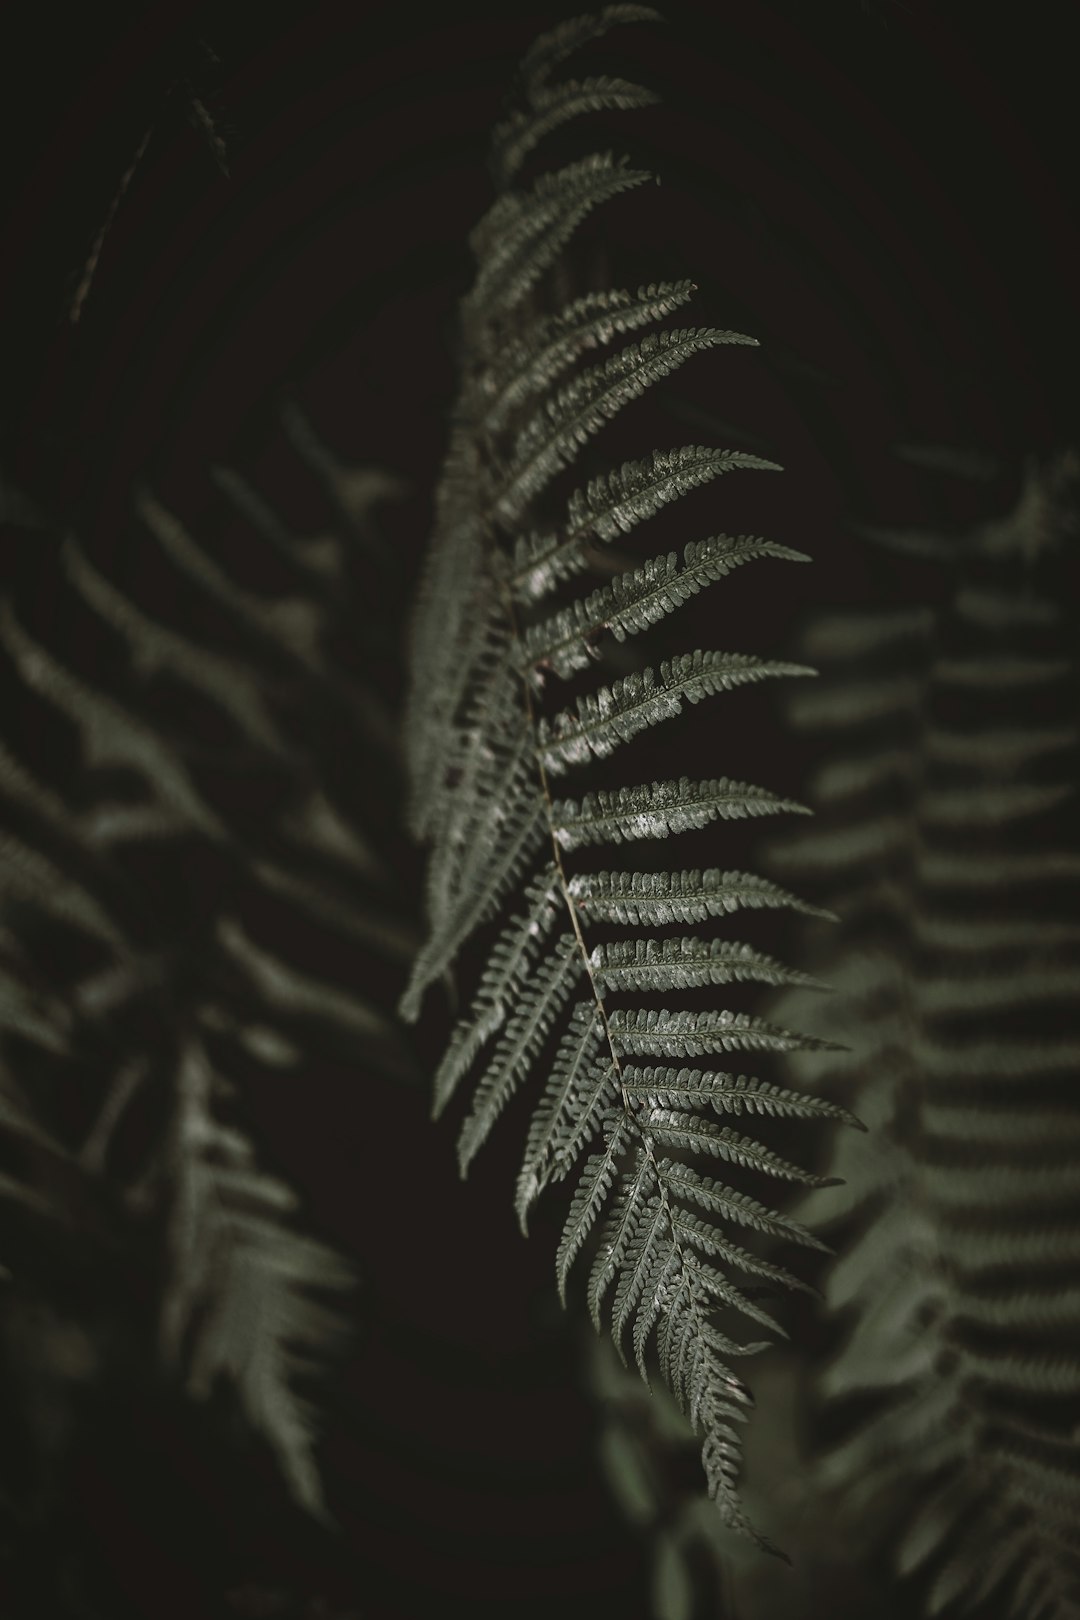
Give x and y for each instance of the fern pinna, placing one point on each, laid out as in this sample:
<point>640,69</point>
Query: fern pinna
<point>947,841</point>
<point>505,621</point>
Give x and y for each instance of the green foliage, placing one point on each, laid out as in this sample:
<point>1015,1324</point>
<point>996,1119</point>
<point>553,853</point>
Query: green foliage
<point>489,738</point>
<point>133,1011</point>
<point>949,845</point>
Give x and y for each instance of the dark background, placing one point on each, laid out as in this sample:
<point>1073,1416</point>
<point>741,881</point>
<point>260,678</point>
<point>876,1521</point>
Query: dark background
<point>882,193</point>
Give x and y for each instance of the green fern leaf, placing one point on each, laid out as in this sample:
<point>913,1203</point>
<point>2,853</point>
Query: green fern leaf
<point>484,749</point>
<point>521,237</point>
<point>639,898</point>
<point>550,441</point>
<point>635,601</point>
<point>727,1093</point>
<point>553,47</point>
<point>959,1285</point>
<point>513,140</point>
<point>659,809</point>
<point>614,714</point>
<point>528,365</point>
<point>680,964</point>
<point>614,503</point>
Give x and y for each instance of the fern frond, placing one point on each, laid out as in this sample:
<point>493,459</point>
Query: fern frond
<point>510,962</point>
<point>682,964</point>
<point>636,601</point>
<point>581,1090</point>
<point>236,1262</point>
<point>959,1289</point>
<point>552,343</point>
<point>521,236</point>
<point>597,1177</point>
<point>727,1094</point>
<point>553,47</point>
<point>515,138</point>
<point>691,1034</point>
<point>674,1129</point>
<point>551,439</point>
<point>542,1000</point>
<point>613,503</point>
<point>140,996</point>
<point>485,748</point>
<point>678,897</point>
<point>659,809</point>
<point>615,713</point>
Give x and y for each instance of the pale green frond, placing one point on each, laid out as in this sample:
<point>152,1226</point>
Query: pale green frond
<point>521,236</point>
<point>635,601</point>
<point>592,1191</point>
<point>601,720</point>
<point>488,779</point>
<point>634,1195</point>
<point>648,1251</point>
<point>516,136</point>
<point>676,1129</point>
<point>521,839</point>
<point>237,1262</point>
<point>562,424</point>
<point>551,343</point>
<point>727,1093</point>
<point>713,1283</point>
<point>659,808</point>
<point>642,898</point>
<point>511,960</point>
<point>707,1237</point>
<point>542,999</point>
<point>581,1088</point>
<point>484,778</point>
<point>452,650</point>
<point>717,1199</point>
<point>686,963</point>
<point>873,701</point>
<point>485,750</point>
<point>664,1298</point>
<point>615,502</point>
<point>689,1034</point>
<point>554,46</point>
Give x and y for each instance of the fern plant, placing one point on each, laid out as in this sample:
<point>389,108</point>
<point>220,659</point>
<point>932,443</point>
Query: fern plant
<point>507,622</point>
<point>136,1010</point>
<point>948,846</point>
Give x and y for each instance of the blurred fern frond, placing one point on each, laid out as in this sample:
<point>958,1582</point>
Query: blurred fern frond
<point>947,844</point>
<point>189,898</point>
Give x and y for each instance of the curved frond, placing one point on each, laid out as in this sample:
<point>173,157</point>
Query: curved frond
<point>959,1290</point>
<point>487,743</point>
<point>151,1000</point>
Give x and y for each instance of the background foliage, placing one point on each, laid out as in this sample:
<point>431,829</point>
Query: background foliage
<point>882,194</point>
